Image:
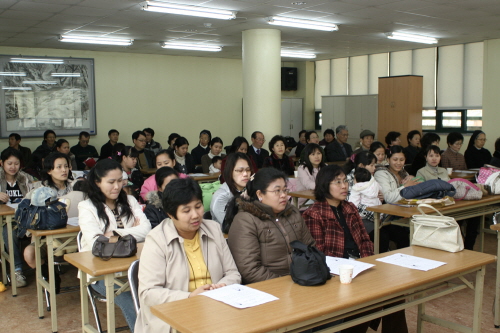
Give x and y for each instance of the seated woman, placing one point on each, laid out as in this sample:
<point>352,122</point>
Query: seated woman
<point>476,155</point>
<point>127,157</point>
<point>393,139</point>
<point>164,158</point>
<point>14,186</point>
<point>237,174</point>
<point>495,160</point>
<point>215,150</point>
<point>432,170</point>
<point>413,147</point>
<point>62,146</point>
<point>55,174</point>
<point>278,159</point>
<point>239,145</point>
<point>419,161</point>
<point>378,149</point>
<point>107,210</point>
<point>451,158</point>
<point>47,147</point>
<point>266,223</point>
<point>185,256</point>
<point>171,140</point>
<point>308,169</point>
<point>312,137</point>
<point>393,178</point>
<point>183,158</point>
<point>154,209</point>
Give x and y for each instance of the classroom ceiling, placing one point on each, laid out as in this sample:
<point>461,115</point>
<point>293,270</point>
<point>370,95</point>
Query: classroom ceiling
<point>362,24</point>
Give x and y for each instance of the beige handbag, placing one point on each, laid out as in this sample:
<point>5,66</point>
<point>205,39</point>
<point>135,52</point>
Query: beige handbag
<point>436,231</point>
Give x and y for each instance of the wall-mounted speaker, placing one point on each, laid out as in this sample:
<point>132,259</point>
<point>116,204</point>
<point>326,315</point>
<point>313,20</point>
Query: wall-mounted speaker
<point>288,78</point>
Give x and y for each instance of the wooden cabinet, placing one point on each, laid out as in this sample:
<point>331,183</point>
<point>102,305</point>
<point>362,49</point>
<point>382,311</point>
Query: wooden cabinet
<point>399,105</point>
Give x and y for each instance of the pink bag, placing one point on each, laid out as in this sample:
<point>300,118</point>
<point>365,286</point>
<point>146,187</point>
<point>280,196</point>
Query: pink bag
<point>465,190</point>
<point>484,173</point>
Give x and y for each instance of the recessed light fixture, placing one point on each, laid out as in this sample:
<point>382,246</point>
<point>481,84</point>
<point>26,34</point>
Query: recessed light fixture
<point>304,24</point>
<point>39,82</point>
<point>37,61</point>
<point>412,38</point>
<point>191,47</point>
<point>297,54</point>
<point>96,40</point>
<point>299,3</point>
<point>16,88</point>
<point>65,74</point>
<point>174,8</point>
<point>12,73</point>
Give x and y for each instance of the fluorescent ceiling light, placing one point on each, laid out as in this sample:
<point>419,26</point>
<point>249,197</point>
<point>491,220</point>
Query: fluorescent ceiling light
<point>304,24</point>
<point>192,47</point>
<point>96,40</point>
<point>13,73</point>
<point>412,38</point>
<point>65,74</point>
<point>39,82</point>
<point>37,61</point>
<point>174,8</point>
<point>16,88</point>
<point>297,54</point>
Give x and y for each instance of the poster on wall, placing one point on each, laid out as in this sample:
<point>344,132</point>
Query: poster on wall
<point>41,93</point>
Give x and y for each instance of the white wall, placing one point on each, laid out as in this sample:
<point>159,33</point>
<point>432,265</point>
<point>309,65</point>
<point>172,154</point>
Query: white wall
<point>166,93</point>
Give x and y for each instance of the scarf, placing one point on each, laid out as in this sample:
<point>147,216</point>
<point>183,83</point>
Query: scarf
<point>179,159</point>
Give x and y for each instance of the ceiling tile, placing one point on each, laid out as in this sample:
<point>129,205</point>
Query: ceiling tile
<point>38,7</point>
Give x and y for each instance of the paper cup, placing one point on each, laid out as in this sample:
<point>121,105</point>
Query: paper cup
<point>296,173</point>
<point>346,273</point>
<point>450,170</point>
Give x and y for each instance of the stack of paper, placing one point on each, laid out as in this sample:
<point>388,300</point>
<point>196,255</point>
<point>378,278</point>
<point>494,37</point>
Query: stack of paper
<point>334,264</point>
<point>240,296</point>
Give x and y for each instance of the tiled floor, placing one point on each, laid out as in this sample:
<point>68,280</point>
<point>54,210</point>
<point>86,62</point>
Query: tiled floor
<point>19,314</point>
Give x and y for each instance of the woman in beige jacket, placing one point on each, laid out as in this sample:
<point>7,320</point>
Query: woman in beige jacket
<point>183,256</point>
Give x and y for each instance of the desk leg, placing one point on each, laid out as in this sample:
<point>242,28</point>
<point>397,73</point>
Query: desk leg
<point>481,234</point>
<point>13,280</point>
<point>52,282</point>
<point>296,202</point>
<point>497,286</point>
<point>84,299</point>
<point>376,232</point>
<point>2,257</point>
<point>420,314</point>
<point>478,300</point>
<point>39,287</point>
<point>109,281</point>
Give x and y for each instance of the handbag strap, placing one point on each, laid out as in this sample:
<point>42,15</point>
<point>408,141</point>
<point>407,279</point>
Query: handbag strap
<point>112,252</point>
<point>466,191</point>
<point>419,207</point>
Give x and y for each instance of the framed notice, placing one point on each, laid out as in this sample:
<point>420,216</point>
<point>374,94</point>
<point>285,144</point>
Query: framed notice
<point>41,93</point>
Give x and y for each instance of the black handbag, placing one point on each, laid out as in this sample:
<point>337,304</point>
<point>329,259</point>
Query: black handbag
<point>308,267</point>
<point>114,247</point>
<point>49,217</point>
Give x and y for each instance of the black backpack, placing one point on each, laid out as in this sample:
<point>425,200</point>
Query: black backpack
<point>308,267</point>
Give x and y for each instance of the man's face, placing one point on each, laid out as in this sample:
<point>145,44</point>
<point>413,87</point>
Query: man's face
<point>113,137</point>
<point>149,137</point>
<point>140,142</point>
<point>258,141</point>
<point>84,141</point>
<point>342,136</point>
<point>13,142</point>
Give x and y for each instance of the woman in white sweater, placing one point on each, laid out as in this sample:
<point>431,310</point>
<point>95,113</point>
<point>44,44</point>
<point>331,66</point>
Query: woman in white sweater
<point>108,209</point>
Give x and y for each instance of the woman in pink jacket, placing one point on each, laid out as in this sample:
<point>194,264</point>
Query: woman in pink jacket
<point>163,158</point>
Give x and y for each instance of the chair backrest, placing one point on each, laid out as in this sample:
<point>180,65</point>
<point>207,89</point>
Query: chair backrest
<point>133,280</point>
<point>75,197</point>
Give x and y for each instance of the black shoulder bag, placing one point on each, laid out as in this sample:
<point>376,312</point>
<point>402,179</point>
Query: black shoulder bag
<point>115,246</point>
<point>308,267</point>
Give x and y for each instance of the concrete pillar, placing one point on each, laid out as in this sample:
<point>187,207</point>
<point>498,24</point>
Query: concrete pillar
<point>261,82</point>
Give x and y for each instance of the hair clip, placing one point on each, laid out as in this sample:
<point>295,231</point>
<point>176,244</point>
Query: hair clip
<point>119,153</point>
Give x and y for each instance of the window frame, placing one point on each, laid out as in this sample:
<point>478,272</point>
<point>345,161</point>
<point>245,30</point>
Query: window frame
<point>439,121</point>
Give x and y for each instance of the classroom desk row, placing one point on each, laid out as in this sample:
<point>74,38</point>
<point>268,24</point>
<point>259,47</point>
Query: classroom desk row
<point>210,177</point>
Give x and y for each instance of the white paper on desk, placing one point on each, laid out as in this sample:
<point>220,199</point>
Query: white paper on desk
<point>198,175</point>
<point>12,205</point>
<point>412,262</point>
<point>334,265</point>
<point>240,296</point>
<point>73,221</point>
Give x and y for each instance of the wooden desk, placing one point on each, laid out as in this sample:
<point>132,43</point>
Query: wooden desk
<point>6,215</point>
<point>300,308</point>
<point>460,210</point>
<point>148,171</point>
<point>69,234</point>
<point>306,194</point>
<point>496,321</point>
<point>211,177</point>
<point>98,269</point>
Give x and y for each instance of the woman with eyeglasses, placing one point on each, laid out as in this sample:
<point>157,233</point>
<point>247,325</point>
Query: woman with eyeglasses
<point>476,155</point>
<point>237,173</point>
<point>266,223</point>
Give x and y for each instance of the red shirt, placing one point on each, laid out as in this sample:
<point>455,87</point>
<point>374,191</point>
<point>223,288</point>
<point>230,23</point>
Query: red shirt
<point>329,234</point>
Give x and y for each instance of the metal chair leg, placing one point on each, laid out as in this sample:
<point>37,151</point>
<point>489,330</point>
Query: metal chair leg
<point>94,308</point>
<point>47,297</point>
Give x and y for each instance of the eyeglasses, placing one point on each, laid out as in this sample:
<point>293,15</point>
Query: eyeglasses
<point>284,191</point>
<point>340,182</point>
<point>248,170</point>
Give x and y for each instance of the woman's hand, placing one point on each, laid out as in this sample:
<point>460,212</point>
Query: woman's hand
<point>108,233</point>
<point>200,290</point>
<point>214,286</point>
<point>410,181</point>
<point>380,196</point>
<point>4,197</point>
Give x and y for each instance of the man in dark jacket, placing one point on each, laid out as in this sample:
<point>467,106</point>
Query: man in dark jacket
<point>339,150</point>
<point>203,147</point>
<point>107,148</point>
<point>258,153</point>
<point>83,150</point>
<point>14,142</point>
<point>146,158</point>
